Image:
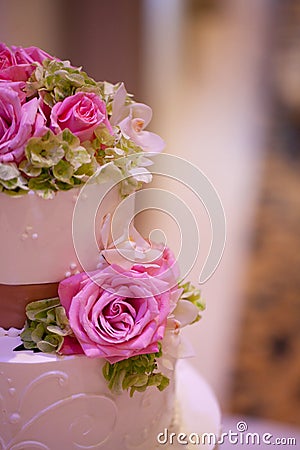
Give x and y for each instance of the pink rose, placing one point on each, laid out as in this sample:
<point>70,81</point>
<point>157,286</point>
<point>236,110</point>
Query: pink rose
<point>18,122</point>
<point>7,58</point>
<point>17,63</point>
<point>30,55</point>
<point>17,86</point>
<point>81,114</point>
<point>116,313</point>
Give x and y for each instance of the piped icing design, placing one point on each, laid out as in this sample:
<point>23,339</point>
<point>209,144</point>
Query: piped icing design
<point>38,390</point>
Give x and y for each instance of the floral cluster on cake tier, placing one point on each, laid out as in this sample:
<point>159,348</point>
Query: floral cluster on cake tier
<point>59,127</point>
<point>129,311</point>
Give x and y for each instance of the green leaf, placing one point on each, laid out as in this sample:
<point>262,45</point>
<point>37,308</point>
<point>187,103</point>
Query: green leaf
<point>44,152</point>
<point>58,330</point>
<point>165,381</point>
<point>63,171</point>
<point>155,379</point>
<point>30,345</point>
<point>71,139</point>
<point>51,344</point>
<point>61,317</point>
<point>26,333</point>
<point>38,333</point>
<point>135,374</point>
<point>10,184</point>
<point>26,167</point>
<point>8,172</point>
<point>62,186</point>
<point>104,137</point>
<point>191,293</point>
<point>77,156</point>
<point>86,170</point>
<point>108,172</point>
<point>39,308</point>
<point>42,183</point>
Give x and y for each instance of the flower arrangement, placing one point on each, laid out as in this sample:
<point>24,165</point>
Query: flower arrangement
<point>59,127</point>
<point>129,311</point>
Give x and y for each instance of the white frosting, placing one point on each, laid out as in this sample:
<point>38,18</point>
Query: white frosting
<point>51,403</point>
<point>12,332</point>
<point>199,410</point>
<point>36,235</point>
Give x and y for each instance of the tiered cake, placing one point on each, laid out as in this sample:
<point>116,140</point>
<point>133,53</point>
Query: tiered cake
<point>94,366</point>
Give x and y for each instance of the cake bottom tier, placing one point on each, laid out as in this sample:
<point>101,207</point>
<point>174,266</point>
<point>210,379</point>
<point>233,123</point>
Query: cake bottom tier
<point>54,403</point>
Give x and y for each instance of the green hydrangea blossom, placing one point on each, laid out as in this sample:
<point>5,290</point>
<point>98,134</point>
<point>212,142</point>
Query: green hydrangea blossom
<point>11,180</point>
<point>135,374</point>
<point>46,326</point>
<point>56,80</point>
<point>56,162</point>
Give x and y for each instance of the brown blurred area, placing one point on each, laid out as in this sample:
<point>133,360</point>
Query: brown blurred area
<point>113,27</point>
<point>236,66</point>
<point>102,36</point>
<point>266,379</point>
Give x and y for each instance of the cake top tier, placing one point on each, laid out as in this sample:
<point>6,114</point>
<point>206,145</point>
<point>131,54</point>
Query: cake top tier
<point>59,127</point>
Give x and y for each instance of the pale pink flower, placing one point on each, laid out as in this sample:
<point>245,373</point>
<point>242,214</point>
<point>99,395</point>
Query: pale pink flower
<point>132,120</point>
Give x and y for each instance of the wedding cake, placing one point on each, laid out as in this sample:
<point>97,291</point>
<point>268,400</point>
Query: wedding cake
<point>90,312</point>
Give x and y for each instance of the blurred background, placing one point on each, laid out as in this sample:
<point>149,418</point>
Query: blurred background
<point>222,77</point>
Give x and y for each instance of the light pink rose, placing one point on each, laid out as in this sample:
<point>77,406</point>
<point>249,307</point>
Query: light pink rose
<point>17,63</point>
<point>116,313</point>
<point>81,114</point>
<point>18,122</point>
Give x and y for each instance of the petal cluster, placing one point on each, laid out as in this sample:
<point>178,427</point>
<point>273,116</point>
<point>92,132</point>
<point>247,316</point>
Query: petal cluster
<point>18,123</point>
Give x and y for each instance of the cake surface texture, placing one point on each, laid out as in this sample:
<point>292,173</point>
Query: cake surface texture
<point>51,402</point>
<point>90,311</point>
